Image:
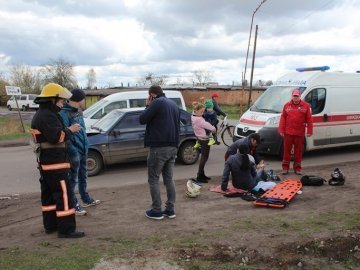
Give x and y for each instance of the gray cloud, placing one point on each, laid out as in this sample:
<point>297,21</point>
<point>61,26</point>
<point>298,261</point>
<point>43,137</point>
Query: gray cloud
<point>158,35</point>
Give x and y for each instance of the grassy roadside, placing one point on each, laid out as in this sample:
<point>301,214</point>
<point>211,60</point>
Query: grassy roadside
<point>10,128</point>
<point>233,111</point>
<point>200,250</point>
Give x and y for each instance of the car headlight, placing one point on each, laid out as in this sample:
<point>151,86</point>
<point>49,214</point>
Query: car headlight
<point>273,121</point>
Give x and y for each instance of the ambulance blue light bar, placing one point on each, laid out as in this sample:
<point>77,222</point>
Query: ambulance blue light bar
<point>323,68</point>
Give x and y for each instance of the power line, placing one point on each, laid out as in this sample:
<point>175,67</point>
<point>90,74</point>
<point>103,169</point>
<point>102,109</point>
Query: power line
<point>305,17</point>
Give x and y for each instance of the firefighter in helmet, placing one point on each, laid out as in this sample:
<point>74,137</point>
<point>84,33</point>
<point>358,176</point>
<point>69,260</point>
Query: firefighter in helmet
<point>50,136</point>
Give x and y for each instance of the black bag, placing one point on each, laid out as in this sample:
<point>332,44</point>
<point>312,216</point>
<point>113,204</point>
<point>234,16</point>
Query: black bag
<point>312,180</point>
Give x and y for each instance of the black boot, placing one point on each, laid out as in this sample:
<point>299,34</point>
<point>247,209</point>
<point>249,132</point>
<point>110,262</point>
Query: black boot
<point>75,234</point>
<point>201,178</point>
<point>206,177</point>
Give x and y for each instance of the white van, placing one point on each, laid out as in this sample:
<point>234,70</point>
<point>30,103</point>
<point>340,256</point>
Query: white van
<point>334,99</point>
<point>122,100</point>
<point>25,102</point>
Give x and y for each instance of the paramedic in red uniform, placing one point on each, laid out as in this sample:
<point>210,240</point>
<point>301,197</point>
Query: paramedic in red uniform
<point>50,135</point>
<point>295,119</point>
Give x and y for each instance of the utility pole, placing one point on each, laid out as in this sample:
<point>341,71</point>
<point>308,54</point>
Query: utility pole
<point>247,52</point>
<point>252,67</point>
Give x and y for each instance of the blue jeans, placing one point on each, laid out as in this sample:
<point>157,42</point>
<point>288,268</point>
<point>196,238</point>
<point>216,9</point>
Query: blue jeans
<point>161,160</point>
<point>78,175</point>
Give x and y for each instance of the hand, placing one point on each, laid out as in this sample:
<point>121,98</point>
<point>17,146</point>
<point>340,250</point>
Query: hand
<point>75,128</point>
<point>149,100</point>
<point>282,134</point>
<point>261,165</point>
<point>308,135</point>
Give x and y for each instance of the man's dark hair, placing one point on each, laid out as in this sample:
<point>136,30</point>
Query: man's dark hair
<point>244,151</point>
<point>155,89</point>
<point>255,136</point>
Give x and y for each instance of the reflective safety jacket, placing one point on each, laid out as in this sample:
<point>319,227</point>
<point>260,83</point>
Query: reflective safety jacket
<point>50,133</point>
<point>295,118</point>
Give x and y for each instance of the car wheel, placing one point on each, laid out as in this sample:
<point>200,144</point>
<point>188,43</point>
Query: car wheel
<point>9,108</point>
<point>187,154</point>
<point>94,163</point>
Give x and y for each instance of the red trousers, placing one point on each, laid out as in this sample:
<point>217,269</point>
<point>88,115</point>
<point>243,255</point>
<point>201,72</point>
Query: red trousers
<point>298,143</point>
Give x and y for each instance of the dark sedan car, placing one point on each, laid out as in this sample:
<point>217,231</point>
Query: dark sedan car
<point>119,137</point>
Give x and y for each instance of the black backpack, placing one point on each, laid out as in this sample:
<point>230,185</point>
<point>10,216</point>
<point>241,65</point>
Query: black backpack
<point>312,180</point>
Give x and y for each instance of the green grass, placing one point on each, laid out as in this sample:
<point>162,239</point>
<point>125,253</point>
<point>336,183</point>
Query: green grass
<point>233,111</point>
<point>75,257</point>
<point>10,128</point>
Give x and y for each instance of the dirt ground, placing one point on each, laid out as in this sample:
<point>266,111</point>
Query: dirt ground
<point>318,230</point>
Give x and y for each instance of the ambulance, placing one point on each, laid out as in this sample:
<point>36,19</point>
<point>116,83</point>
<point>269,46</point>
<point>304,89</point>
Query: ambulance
<point>334,100</point>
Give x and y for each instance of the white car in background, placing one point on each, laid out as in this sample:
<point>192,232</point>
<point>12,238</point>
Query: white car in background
<point>124,100</point>
<point>25,102</point>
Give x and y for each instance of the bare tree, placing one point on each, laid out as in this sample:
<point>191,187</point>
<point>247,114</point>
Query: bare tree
<point>152,79</point>
<point>26,77</point>
<point>60,71</point>
<point>91,79</point>
<point>201,77</point>
<point>3,96</point>
<point>269,83</point>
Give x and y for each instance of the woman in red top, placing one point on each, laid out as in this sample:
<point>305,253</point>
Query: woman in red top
<point>295,118</point>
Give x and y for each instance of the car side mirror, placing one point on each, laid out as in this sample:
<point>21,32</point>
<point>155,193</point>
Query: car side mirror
<point>116,132</point>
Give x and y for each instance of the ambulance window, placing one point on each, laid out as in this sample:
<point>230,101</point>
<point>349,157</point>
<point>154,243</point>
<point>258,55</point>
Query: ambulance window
<point>316,99</point>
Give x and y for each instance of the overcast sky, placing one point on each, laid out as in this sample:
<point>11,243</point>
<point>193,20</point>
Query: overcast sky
<point>124,40</point>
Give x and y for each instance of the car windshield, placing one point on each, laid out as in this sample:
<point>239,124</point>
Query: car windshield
<point>94,108</point>
<point>108,121</point>
<point>274,98</point>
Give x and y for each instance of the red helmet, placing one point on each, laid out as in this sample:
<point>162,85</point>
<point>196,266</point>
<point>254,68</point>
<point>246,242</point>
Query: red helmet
<point>214,95</point>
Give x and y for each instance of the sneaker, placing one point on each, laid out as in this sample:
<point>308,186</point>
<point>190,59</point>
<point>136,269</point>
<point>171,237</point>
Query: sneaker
<point>154,215</point>
<point>211,141</point>
<point>197,145</point>
<point>285,172</point>
<point>92,203</point>
<point>217,143</point>
<point>79,211</point>
<point>298,172</point>
<point>169,214</point>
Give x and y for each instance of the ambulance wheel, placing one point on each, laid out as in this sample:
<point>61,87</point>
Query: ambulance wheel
<point>94,163</point>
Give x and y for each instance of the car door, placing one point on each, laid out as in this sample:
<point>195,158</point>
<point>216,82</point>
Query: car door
<point>321,132</point>
<point>126,139</point>
<point>185,124</point>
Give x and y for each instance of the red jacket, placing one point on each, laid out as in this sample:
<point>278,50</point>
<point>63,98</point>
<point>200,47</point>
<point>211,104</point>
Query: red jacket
<point>294,119</point>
